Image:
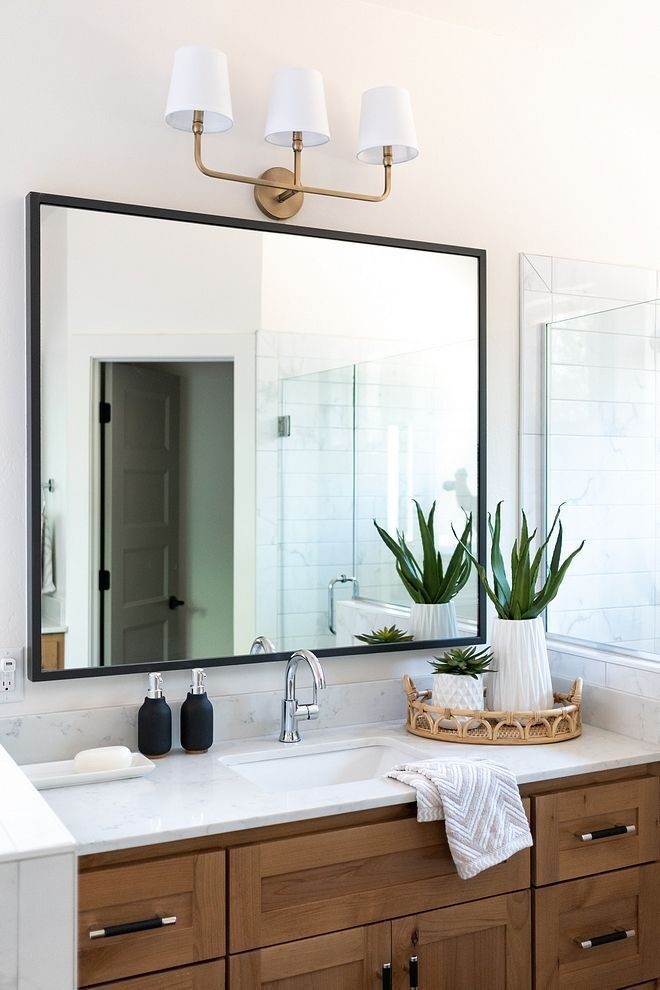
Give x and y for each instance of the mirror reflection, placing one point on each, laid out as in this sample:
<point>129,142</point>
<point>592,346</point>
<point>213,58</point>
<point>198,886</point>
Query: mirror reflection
<point>225,412</point>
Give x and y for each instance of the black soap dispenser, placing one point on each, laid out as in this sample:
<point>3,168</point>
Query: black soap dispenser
<point>197,716</point>
<point>155,721</point>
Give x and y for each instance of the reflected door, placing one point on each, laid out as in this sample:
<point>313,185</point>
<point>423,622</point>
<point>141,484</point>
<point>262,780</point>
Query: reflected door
<point>141,612</point>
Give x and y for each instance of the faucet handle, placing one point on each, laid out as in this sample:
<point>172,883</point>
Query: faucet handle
<point>308,712</point>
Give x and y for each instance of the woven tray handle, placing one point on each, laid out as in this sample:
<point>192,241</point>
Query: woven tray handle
<point>409,687</point>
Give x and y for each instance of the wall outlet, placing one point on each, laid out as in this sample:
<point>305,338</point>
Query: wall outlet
<point>12,675</point>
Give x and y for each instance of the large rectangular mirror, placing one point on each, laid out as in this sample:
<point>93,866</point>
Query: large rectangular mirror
<point>219,410</point>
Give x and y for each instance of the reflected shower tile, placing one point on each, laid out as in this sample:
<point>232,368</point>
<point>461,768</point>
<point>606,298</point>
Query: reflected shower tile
<point>611,556</point>
<point>610,419</point>
<point>579,382</point>
<point>590,522</point>
<point>604,315</point>
<point>602,350</point>
<point>603,281</point>
<point>593,453</point>
<point>612,625</point>
<point>603,487</point>
<point>587,592</point>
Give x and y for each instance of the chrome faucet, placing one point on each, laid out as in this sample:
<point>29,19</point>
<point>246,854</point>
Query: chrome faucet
<point>292,712</point>
<point>262,645</point>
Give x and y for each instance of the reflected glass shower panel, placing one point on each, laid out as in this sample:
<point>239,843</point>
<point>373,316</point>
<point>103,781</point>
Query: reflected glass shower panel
<point>415,424</point>
<point>602,462</point>
<point>316,478</point>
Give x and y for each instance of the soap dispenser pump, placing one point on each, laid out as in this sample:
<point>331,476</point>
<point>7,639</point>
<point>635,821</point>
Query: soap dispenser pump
<point>155,721</point>
<point>197,716</point>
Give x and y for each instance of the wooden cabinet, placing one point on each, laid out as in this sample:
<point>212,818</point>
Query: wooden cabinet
<point>347,960</point>
<point>205,976</point>
<point>482,944</point>
<point>52,651</point>
<point>327,904</point>
<point>581,929</point>
<point>308,885</point>
<point>590,830</point>
<point>190,889</point>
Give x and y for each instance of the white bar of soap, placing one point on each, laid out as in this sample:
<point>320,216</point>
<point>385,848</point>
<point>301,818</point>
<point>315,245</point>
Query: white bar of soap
<point>103,758</point>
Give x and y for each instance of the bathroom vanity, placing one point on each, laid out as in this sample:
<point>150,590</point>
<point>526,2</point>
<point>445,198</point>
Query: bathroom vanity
<point>339,886</point>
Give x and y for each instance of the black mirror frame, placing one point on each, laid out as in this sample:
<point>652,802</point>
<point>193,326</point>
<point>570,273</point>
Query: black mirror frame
<point>34,202</point>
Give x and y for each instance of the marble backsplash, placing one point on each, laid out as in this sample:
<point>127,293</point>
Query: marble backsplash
<point>622,698</point>
<point>60,735</point>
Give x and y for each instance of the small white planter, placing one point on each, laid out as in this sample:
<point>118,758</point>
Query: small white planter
<point>521,672</point>
<point>433,621</point>
<point>458,691</point>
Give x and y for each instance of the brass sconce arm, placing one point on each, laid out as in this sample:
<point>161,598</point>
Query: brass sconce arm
<point>279,192</point>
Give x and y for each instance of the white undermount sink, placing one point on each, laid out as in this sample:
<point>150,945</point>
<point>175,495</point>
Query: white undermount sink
<point>320,765</point>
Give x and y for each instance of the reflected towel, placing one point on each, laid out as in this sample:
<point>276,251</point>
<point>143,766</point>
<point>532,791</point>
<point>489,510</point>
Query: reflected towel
<point>480,803</point>
<point>47,564</point>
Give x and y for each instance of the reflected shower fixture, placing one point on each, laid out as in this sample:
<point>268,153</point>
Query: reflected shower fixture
<point>200,101</point>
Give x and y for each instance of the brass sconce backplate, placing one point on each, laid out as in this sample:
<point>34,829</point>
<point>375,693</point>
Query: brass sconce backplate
<point>268,199</point>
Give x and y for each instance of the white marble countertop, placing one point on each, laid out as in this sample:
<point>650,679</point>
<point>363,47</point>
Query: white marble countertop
<point>193,795</point>
<point>28,826</point>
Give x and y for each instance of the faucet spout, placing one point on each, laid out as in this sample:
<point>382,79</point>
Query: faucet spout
<point>292,712</point>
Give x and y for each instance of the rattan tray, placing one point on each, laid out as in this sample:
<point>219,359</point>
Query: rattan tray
<point>495,728</point>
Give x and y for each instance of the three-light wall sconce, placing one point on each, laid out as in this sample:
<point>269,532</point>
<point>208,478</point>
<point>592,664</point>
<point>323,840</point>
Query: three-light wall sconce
<point>200,101</point>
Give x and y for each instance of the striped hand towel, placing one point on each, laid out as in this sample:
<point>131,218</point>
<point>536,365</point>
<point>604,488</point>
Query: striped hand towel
<point>481,806</point>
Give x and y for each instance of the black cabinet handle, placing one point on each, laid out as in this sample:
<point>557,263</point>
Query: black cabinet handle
<point>175,602</point>
<point>387,976</point>
<point>592,943</point>
<point>607,833</point>
<point>132,926</point>
<point>414,977</point>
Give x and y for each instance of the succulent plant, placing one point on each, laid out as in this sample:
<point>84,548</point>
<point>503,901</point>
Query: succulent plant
<point>520,598</point>
<point>388,634</point>
<point>430,583</point>
<point>465,661</point>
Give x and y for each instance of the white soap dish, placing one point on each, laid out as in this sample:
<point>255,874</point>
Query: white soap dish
<point>62,773</point>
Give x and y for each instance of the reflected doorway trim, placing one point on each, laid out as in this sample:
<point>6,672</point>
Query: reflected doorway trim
<point>34,202</point>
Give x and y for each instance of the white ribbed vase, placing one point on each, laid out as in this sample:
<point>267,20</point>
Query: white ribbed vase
<point>458,691</point>
<point>433,621</point>
<point>521,679</point>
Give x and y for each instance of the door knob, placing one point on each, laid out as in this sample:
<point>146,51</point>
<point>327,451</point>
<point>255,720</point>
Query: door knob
<point>175,602</point>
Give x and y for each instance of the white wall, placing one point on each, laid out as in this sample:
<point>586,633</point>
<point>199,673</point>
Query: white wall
<point>551,149</point>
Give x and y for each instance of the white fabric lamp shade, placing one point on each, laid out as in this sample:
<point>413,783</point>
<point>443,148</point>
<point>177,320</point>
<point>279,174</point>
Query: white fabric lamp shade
<point>297,103</point>
<point>387,119</point>
<point>200,81</point>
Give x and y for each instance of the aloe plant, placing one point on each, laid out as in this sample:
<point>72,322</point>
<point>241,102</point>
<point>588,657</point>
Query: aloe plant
<point>523,597</point>
<point>388,634</point>
<point>430,583</point>
<point>463,661</point>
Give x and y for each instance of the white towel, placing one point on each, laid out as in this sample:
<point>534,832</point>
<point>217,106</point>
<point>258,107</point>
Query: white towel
<point>480,803</point>
<point>47,567</point>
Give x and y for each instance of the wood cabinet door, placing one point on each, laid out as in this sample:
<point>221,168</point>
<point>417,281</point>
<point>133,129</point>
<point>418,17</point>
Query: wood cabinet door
<point>340,961</point>
<point>467,947</point>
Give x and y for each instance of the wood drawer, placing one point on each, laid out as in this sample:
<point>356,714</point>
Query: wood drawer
<point>294,888</point>
<point>340,961</point>
<point>204,976</point>
<point>190,888</point>
<point>561,818</point>
<point>570,913</point>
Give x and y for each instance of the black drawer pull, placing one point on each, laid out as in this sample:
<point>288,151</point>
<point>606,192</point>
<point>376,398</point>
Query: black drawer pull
<point>606,833</point>
<point>620,936</point>
<point>131,927</point>
<point>414,977</point>
<point>387,976</point>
